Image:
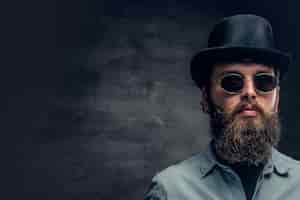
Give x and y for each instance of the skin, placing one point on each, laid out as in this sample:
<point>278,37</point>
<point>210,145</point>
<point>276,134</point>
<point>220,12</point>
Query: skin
<point>269,102</point>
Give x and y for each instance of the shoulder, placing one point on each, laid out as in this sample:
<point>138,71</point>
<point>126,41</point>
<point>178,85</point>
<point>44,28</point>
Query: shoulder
<point>284,159</point>
<point>284,162</point>
<point>184,170</point>
<point>177,180</point>
<point>155,192</point>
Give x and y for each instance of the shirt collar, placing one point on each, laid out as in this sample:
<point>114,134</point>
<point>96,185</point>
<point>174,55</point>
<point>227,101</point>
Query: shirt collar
<point>210,162</point>
<point>276,164</point>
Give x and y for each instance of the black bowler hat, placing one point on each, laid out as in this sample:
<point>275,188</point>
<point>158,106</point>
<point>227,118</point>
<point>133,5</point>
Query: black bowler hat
<point>237,38</point>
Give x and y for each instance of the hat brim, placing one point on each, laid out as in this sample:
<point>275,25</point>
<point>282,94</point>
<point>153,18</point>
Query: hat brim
<point>202,62</point>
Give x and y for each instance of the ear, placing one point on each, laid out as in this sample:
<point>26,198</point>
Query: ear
<point>204,100</point>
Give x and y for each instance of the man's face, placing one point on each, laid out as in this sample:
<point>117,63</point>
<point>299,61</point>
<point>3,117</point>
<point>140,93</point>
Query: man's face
<point>268,101</point>
<point>245,123</point>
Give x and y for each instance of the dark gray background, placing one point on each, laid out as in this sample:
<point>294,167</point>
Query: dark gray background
<point>113,103</point>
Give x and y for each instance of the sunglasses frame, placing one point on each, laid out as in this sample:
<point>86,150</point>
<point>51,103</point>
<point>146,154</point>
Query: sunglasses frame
<point>243,79</point>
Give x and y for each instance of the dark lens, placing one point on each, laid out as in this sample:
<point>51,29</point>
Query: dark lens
<point>265,82</point>
<point>232,83</point>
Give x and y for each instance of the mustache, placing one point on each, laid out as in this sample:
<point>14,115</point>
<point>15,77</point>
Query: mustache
<point>249,104</point>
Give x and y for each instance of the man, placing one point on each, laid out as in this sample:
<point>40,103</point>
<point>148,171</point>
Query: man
<point>239,76</point>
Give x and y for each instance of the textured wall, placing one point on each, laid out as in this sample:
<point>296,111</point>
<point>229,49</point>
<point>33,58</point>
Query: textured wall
<point>131,110</point>
<point>118,105</point>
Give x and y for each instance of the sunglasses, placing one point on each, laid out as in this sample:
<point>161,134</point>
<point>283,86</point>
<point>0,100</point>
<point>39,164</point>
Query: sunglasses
<point>233,83</point>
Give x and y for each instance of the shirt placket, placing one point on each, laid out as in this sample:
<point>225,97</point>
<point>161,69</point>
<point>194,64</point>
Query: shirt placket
<point>235,185</point>
<point>266,172</point>
<point>257,186</point>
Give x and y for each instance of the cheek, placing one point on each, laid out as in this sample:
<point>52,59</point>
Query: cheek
<point>270,102</point>
<point>223,100</point>
<point>230,103</point>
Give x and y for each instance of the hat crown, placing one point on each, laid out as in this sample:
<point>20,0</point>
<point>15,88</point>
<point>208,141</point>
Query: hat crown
<point>235,39</point>
<point>242,31</point>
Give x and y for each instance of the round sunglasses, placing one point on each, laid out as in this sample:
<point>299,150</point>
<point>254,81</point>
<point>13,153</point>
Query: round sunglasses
<point>233,83</point>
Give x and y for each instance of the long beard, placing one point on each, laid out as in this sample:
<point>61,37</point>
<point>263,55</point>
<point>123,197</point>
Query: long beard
<point>244,140</point>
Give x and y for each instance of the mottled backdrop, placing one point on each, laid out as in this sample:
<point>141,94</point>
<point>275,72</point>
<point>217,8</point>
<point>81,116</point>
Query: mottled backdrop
<point>114,103</point>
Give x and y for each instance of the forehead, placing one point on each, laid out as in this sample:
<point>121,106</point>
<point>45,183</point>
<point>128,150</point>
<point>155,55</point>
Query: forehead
<point>243,68</point>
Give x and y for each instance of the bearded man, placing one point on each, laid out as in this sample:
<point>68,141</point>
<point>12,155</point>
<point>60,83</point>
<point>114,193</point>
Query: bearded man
<point>239,76</point>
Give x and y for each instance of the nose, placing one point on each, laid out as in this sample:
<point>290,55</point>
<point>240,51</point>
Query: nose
<point>248,91</point>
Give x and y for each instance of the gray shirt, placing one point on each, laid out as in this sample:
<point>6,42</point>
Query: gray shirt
<point>202,177</point>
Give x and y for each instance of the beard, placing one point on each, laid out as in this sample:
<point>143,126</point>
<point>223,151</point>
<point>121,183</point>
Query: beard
<point>244,140</point>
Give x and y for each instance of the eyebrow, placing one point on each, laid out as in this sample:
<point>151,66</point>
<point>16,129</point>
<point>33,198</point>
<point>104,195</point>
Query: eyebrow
<point>229,72</point>
<point>238,72</point>
<point>265,72</point>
